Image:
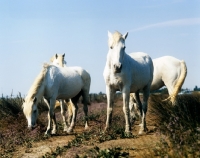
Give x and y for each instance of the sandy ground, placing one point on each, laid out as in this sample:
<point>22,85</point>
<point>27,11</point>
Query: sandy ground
<point>135,146</point>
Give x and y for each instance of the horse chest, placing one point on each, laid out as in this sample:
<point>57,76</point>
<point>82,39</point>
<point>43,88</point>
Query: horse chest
<point>116,81</point>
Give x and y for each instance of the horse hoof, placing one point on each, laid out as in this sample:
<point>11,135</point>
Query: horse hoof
<point>65,129</point>
<point>69,131</point>
<point>48,132</point>
<point>53,132</point>
<point>140,132</point>
<point>47,135</point>
<point>143,131</point>
<point>128,133</point>
<point>86,128</point>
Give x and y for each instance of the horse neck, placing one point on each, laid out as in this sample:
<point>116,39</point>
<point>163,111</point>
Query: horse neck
<point>40,92</point>
<point>126,57</point>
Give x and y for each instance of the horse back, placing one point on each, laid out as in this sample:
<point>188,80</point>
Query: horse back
<point>62,82</point>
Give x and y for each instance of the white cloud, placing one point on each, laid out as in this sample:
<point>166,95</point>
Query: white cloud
<point>172,23</point>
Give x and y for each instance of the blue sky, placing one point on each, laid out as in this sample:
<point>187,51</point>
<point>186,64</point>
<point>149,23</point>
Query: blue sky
<point>33,31</point>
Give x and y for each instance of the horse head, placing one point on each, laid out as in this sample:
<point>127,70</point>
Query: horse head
<point>30,111</point>
<point>116,43</point>
<point>58,59</point>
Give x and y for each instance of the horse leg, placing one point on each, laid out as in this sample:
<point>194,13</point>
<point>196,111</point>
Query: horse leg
<point>143,127</point>
<point>74,111</point>
<point>110,101</point>
<point>132,106</point>
<point>138,104</point>
<point>85,107</point>
<point>126,96</point>
<point>70,112</point>
<point>51,117</point>
<point>63,112</point>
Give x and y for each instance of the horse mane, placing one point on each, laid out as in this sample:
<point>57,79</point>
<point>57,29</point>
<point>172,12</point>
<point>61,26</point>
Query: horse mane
<point>52,59</point>
<point>116,38</point>
<point>38,82</point>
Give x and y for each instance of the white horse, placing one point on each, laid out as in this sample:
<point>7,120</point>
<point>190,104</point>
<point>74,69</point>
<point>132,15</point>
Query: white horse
<point>128,75</point>
<point>58,60</point>
<point>55,83</point>
<point>169,72</point>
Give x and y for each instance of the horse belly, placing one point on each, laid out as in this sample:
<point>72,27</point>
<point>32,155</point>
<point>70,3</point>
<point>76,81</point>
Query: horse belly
<point>70,89</point>
<point>156,84</point>
<point>139,82</point>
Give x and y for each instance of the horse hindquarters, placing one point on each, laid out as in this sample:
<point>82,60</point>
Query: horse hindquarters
<point>179,82</point>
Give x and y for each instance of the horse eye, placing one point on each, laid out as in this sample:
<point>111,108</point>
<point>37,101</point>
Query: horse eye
<point>111,47</point>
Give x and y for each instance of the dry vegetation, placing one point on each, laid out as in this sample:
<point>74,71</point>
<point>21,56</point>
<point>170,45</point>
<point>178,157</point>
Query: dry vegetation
<point>176,127</point>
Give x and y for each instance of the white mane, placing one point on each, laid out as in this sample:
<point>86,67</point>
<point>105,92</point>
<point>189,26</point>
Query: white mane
<point>37,82</point>
<point>116,37</point>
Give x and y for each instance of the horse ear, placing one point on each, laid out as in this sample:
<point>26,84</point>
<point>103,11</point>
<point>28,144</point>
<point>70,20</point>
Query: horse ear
<point>63,55</point>
<point>34,100</point>
<point>125,35</point>
<point>109,34</point>
<point>56,56</point>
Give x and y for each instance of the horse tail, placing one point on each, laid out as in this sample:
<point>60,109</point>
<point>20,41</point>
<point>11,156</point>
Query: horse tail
<point>179,82</point>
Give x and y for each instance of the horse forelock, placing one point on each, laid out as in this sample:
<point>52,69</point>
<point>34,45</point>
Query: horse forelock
<point>116,37</point>
<point>37,82</point>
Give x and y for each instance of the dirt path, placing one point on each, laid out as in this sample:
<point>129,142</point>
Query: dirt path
<point>135,146</point>
<point>39,149</point>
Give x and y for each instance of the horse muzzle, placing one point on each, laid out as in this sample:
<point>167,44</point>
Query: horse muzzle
<point>117,68</point>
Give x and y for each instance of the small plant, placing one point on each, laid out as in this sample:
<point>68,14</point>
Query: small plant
<point>110,153</point>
